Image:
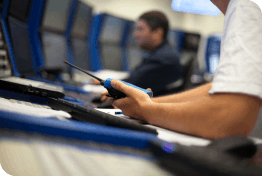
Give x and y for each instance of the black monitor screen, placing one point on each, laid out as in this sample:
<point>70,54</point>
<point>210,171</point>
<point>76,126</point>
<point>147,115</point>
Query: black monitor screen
<point>111,57</point>
<point>21,46</point>
<point>82,21</point>
<point>112,30</point>
<point>56,15</point>
<point>20,9</point>
<point>191,42</point>
<point>54,47</point>
<point>172,38</point>
<point>80,50</point>
<point>1,3</point>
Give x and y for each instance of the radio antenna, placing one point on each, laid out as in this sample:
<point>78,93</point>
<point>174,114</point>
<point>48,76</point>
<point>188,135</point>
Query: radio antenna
<point>99,79</point>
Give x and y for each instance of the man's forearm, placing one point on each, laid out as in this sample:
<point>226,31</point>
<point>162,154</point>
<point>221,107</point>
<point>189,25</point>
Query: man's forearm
<point>210,117</point>
<point>192,94</point>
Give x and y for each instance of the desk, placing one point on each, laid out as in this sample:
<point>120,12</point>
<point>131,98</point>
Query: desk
<point>175,137</point>
<point>116,138</point>
<point>102,134</point>
<point>167,135</point>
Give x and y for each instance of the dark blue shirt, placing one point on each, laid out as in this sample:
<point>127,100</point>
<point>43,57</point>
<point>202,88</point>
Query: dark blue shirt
<point>158,69</point>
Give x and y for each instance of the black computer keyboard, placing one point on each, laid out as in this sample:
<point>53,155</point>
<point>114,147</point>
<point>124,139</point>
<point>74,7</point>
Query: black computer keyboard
<point>92,115</point>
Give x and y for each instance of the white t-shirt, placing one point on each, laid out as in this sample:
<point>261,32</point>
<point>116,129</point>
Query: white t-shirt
<point>240,65</point>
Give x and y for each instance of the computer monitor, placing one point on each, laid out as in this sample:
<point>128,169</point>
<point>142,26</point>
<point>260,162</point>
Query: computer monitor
<point>56,15</point>
<point>172,38</point>
<point>82,21</point>
<point>191,42</point>
<point>81,53</point>
<point>203,7</point>
<point>19,9</point>
<point>134,51</point>
<point>80,30</point>
<point>55,51</point>
<point>189,47</point>
<point>111,57</point>
<point>54,24</point>
<point>110,40</point>
<point>1,4</point>
<point>112,30</point>
<point>21,46</point>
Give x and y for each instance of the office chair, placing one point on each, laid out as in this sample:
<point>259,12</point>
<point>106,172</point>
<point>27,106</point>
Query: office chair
<point>182,84</point>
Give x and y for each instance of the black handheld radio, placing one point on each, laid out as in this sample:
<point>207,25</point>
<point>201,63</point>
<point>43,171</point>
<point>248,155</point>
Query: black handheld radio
<point>113,93</point>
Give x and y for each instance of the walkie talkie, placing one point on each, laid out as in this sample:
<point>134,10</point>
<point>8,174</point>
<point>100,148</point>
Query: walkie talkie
<point>113,93</point>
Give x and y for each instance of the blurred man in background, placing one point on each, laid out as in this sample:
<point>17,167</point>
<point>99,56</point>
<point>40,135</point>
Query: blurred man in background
<point>161,66</point>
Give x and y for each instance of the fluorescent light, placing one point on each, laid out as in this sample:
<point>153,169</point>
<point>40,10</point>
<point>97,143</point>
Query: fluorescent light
<point>203,7</point>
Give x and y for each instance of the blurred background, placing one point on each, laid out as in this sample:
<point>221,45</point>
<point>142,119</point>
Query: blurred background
<point>97,35</point>
<point>132,9</point>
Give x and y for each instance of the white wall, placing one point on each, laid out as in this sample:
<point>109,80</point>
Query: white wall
<point>132,9</point>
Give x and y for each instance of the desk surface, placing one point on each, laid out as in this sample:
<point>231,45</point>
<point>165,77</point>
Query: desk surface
<point>175,137</point>
<point>167,135</point>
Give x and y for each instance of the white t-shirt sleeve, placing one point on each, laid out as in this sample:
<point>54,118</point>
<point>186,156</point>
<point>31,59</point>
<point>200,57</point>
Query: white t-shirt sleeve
<point>240,66</point>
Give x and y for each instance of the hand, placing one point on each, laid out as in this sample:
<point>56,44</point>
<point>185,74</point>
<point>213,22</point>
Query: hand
<point>95,82</point>
<point>105,98</point>
<point>134,104</point>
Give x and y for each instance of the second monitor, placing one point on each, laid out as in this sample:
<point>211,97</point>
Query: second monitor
<point>79,35</point>
<point>53,28</point>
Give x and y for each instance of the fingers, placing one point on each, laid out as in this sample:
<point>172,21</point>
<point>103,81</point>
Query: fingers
<point>149,89</point>
<point>118,103</point>
<point>123,105</point>
<point>95,82</point>
<point>128,90</point>
<point>104,93</point>
<point>104,98</point>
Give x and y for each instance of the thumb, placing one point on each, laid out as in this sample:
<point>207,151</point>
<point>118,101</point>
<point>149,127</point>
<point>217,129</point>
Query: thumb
<point>128,90</point>
<point>149,89</point>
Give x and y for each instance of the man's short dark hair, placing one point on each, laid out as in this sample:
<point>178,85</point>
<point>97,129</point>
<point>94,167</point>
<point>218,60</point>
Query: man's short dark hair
<point>156,19</point>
